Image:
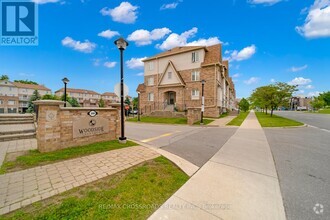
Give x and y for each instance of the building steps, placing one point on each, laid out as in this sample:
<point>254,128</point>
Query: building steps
<point>6,119</point>
<point>16,126</point>
<point>10,137</point>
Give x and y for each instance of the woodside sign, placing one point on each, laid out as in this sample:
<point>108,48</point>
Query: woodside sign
<point>90,126</point>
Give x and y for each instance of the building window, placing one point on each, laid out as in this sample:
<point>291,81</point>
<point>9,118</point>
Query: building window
<point>195,94</point>
<point>150,97</point>
<point>151,65</point>
<point>195,76</point>
<point>1,102</point>
<point>11,102</point>
<point>195,57</point>
<point>169,75</point>
<point>150,81</point>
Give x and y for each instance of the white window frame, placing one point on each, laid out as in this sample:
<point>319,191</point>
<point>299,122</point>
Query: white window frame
<point>195,94</point>
<point>151,81</point>
<point>11,102</point>
<point>195,75</point>
<point>195,57</point>
<point>150,96</point>
<point>151,65</point>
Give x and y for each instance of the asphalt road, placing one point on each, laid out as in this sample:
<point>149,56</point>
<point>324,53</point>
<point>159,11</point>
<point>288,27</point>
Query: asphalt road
<point>302,159</point>
<point>195,144</point>
<point>321,121</point>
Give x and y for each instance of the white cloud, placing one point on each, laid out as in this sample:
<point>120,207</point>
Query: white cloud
<point>309,87</point>
<point>109,64</point>
<point>236,75</point>
<point>135,63</point>
<point>244,54</point>
<point>143,37</point>
<point>44,1</point>
<point>252,80</point>
<point>317,22</point>
<point>264,2</point>
<point>300,81</point>
<point>169,6</point>
<point>315,93</point>
<point>108,34</point>
<point>205,42</point>
<point>300,92</point>
<point>272,80</point>
<point>140,74</point>
<point>297,69</point>
<point>124,13</point>
<point>85,47</point>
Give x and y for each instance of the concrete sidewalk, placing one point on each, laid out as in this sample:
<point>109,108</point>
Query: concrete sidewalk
<point>239,182</point>
<point>221,122</point>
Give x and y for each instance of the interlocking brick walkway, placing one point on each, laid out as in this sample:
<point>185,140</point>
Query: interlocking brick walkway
<point>15,146</point>
<point>24,187</point>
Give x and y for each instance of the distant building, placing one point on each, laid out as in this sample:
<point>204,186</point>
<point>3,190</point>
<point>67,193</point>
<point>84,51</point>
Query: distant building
<point>14,96</point>
<point>172,81</point>
<point>110,97</point>
<point>300,103</point>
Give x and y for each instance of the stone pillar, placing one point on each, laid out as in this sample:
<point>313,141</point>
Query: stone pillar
<point>193,115</point>
<point>49,125</point>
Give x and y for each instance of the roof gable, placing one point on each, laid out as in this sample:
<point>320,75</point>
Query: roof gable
<point>174,79</point>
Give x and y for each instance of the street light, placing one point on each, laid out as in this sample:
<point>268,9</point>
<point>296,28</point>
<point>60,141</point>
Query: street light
<point>65,81</point>
<point>202,112</point>
<point>138,106</point>
<point>122,44</point>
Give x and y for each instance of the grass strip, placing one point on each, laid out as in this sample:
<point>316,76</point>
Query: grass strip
<point>206,121</point>
<point>147,119</point>
<point>239,119</point>
<point>275,121</point>
<point>131,194</point>
<point>35,158</point>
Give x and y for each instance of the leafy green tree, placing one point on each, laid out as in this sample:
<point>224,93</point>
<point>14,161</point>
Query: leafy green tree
<point>101,103</point>
<point>50,97</point>
<point>317,103</point>
<point>35,96</point>
<point>135,102</point>
<point>326,98</point>
<point>73,101</point>
<point>4,77</point>
<point>26,82</point>
<point>244,105</point>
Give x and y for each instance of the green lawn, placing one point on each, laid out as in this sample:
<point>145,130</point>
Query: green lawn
<point>223,115</point>
<point>131,194</point>
<point>148,119</point>
<point>35,158</point>
<point>239,119</point>
<point>275,121</point>
<point>206,121</point>
<point>324,111</point>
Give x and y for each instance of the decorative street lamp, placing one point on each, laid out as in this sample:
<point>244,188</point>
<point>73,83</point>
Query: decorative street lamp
<point>202,112</point>
<point>138,106</point>
<point>65,81</point>
<point>121,43</point>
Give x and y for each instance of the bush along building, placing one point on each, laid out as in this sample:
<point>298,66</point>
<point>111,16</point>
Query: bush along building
<point>172,81</point>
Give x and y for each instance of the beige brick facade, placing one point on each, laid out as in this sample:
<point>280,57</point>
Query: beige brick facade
<point>179,86</point>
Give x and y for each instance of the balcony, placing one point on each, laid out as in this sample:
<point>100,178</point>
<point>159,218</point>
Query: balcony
<point>23,98</point>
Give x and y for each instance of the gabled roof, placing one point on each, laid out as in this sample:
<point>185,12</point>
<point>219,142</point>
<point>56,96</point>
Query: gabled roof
<point>175,72</point>
<point>141,88</point>
<point>30,86</point>
<point>85,91</point>
<point>175,50</point>
<point>109,94</point>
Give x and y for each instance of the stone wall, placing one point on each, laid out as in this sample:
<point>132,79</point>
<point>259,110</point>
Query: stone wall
<point>193,115</point>
<point>60,127</point>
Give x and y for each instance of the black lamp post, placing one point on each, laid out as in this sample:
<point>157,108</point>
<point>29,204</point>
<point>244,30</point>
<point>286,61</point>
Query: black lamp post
<point>65,81</point>
<point>202,112</point>
<point>122,44</point>
<point>138,106</point>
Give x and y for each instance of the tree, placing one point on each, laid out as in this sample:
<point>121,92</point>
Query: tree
<point>50,97</point>
<point>244,105</point>
<point>4,77</point>
<point>73,101</point>
<point>272,96</point>
<point>101,103</point>
<point>135,102</point>
<point>325,96</point>
<point>317,103</point>
<point>35,96</point>
<point>26,82</point>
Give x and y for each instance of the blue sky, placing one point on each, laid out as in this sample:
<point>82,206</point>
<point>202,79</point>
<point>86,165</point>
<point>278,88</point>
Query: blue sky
<point>265,41</point>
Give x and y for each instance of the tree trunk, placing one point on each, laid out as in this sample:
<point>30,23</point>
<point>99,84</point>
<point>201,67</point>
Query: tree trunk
<point>271,112</point>
<point>266,111</point>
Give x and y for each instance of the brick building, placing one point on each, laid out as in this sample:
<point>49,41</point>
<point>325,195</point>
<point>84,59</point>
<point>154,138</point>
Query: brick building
<point>172,81</point>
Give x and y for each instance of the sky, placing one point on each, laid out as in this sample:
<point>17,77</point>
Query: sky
<point>266,41</point>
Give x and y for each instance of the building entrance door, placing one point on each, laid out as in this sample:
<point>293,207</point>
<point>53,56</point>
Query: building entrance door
<point>172,98</point>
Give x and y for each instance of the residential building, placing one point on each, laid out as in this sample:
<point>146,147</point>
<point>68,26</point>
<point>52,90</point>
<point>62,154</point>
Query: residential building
<point>172,81</point>
<point>110,97</point>
<point>300,103</point>
<point>86,98</point>
<point>25,91</point>
<point>14,96</point>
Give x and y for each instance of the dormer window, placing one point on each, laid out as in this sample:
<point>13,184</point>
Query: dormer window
<point>195,57</point>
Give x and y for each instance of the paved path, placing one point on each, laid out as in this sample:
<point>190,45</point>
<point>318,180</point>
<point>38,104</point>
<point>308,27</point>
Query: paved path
<point>22,188</point>
<point>15,146</point>
<point>221,122</point>
<point>239,182</point>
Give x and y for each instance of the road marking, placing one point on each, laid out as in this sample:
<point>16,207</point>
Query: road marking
<point>155,138</point>
<point>322,129</point>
